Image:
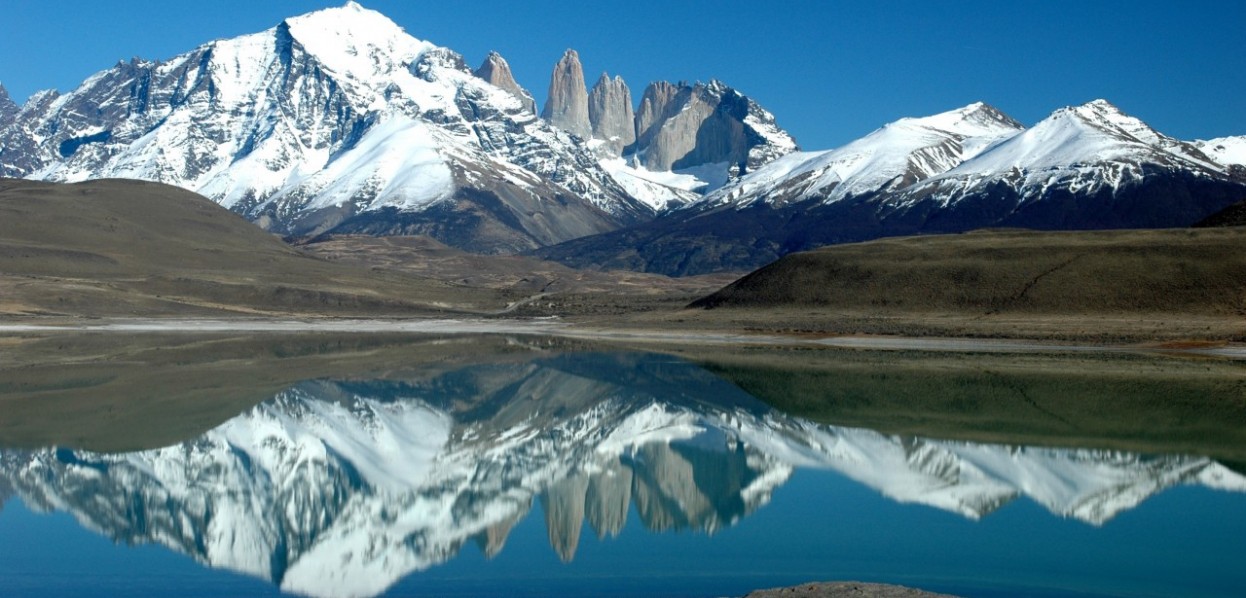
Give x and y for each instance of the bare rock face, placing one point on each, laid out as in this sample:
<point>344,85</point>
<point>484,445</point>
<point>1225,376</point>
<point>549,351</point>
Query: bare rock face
<point>609,498</point>
<point>566,106</point>
<point>610,113</point>
<point>497,72</point>
<point>8,108</point>
<point>658,96</point>
<point>682,126</point>
<point>563,504</point>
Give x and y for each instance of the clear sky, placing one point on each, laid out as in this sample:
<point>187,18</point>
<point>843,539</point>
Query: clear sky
<point>830,71</point>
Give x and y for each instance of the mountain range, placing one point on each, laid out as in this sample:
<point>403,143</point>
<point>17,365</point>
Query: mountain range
<point>1084,167</point>
<point>343,487</point>
<point>338,121</point>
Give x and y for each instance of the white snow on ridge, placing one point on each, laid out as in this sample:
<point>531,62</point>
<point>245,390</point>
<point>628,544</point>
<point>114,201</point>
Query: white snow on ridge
<point>1077,136</point>
<point>237,67</point>
<point>781,141</point>
<point>948,156</point>
<point>363,47</point>
<point>892,157</point>
<point>396,164</point>
<point>1226,151</point>
<point>1079,148</point>
<point>658,190</point>
<point>1082,134</point>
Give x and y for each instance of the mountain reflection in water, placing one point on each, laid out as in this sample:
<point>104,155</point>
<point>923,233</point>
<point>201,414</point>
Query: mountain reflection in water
<point>337,488</point>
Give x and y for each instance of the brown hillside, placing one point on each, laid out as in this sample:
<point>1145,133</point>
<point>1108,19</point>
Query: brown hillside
<point>119,247</point>
<point>1101,272</point>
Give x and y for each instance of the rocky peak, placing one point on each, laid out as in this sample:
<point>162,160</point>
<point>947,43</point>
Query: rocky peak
<point>1105,116</point>
<point>497,72</point>
<point>566,106</point>
<point>344,23</point>
<point>362,49</point>
<point>8,108</point>
<point>983,113</point>
<point>657,98</point>
<point>681,126</point>
<point>610,113</point>
<point>40,100</point>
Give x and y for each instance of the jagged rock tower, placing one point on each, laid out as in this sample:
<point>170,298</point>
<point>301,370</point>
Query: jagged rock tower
<point>567,103</point>
<point>610,113</point>
<point>659,96</point>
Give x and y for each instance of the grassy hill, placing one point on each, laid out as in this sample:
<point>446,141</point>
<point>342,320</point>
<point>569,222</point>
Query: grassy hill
<point>1120,284</point>
<point>1190,271</point>
<point>119,247</point>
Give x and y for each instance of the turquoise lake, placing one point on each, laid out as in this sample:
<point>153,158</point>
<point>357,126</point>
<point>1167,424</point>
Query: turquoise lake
<point>608,473</point>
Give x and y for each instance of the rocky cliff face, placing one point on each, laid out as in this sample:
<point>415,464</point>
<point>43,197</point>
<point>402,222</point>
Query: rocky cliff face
<point>659,96</point>
<point>8,109</point>
<point>688,126</point>
<point>710,129</point>
<point>610,114</point>
<point>566,106</point>
<point>497,72</point>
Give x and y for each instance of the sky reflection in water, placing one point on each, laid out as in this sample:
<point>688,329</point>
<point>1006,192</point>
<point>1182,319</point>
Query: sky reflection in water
<point>543,476</point>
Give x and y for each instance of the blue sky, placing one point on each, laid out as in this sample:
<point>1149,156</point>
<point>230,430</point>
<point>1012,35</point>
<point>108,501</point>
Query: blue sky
<point>830,71</point>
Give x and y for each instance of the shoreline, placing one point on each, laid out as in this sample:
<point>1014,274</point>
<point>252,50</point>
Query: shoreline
<point>564,328</point>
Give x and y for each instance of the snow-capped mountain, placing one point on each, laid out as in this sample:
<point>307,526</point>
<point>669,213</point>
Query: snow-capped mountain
<point>1088,166</point>
<point>339,121</point>
<point>893,157</point>
<point>1226,151</point>
<point>1084,167</point>
<point>334,120</point>
<point>342,488</point>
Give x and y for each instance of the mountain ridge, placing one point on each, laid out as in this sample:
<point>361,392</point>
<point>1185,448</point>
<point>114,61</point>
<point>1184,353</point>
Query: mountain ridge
<point>1083,167</point>
<point>338,121</point>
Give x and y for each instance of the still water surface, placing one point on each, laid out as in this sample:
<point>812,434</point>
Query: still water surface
<point>601,473</point>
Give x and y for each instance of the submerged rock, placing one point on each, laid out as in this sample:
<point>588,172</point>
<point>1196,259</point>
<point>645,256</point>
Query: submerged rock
<point>845,589</point>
